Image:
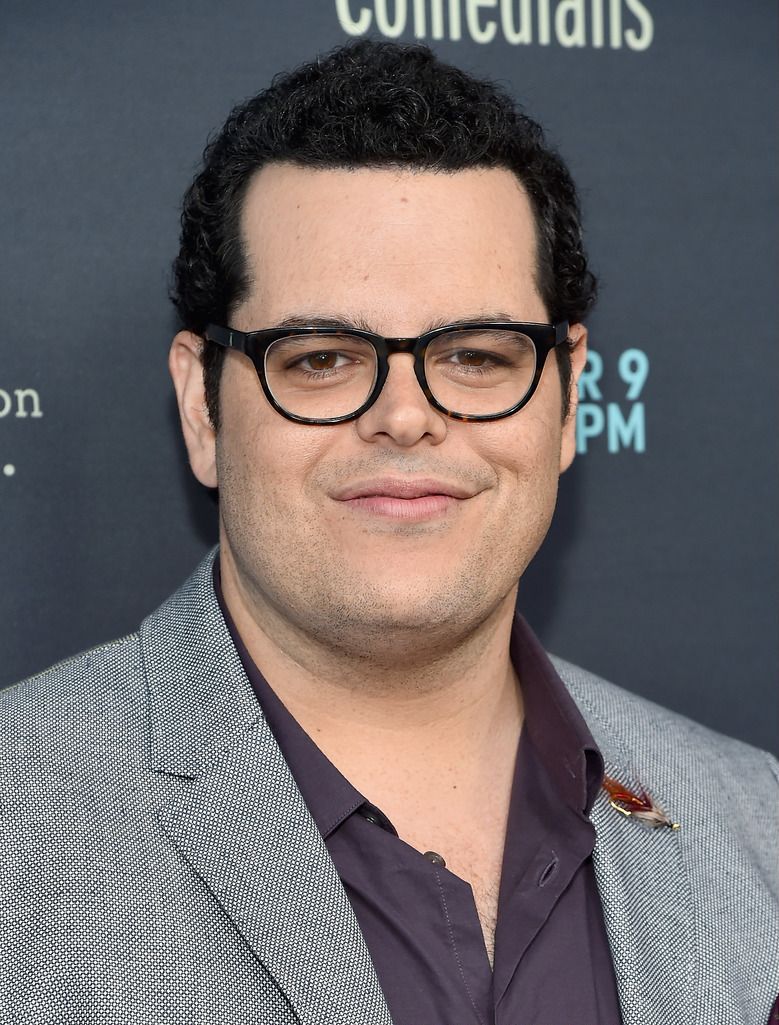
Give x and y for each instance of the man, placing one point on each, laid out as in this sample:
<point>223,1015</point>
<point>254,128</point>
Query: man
<point>333,779</point>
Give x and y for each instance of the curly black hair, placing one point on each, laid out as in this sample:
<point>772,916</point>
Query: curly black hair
<point>371,104</point>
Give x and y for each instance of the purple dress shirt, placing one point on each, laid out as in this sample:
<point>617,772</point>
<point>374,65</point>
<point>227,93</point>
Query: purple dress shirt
<point>552,963</point>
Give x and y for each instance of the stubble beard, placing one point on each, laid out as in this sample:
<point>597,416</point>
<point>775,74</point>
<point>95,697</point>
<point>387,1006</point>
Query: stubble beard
<point>303,594</point>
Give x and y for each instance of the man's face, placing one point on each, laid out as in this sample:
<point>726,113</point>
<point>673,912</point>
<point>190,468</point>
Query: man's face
<point>314,522</point>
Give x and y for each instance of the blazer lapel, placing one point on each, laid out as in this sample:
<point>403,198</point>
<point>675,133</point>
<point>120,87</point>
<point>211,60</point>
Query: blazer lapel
<point>241,823</point>
<point>245,831</point>
<point>648,911</point>
<point>647,904</point>
<point>644,886</point>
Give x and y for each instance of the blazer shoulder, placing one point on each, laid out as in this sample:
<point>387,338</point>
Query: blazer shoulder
<point>681,754</point>
<point>71,706</point>
<point>77,670</point>
<point>73,765</point>
<point>636,718</point>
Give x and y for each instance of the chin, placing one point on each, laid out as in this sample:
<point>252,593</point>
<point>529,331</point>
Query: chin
<point>408,608</point>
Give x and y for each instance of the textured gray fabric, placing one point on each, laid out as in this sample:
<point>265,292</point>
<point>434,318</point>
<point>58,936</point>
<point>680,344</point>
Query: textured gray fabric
<point>158,864</point>
<point>692,916</point>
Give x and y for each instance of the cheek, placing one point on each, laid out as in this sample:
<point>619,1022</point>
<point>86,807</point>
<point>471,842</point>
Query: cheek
<point>257,450</point>
<point>261,468</point>
<point>526,450</point>
<point>526,462</point>
<point>264,466</point>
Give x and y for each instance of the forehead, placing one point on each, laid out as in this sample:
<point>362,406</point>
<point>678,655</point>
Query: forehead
<point>389,246</point>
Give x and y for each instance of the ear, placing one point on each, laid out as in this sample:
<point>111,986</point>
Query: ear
<point>577,333</point>
<point>186,369</point>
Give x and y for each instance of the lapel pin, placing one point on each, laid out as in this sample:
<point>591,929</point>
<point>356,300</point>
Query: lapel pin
<point>640,806</point>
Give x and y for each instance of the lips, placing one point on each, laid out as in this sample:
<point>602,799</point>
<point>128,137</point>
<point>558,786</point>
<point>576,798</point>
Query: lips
<point>403,499</point>
<point>402,488</point>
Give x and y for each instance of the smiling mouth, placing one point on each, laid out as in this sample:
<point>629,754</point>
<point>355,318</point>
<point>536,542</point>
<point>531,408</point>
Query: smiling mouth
<point>424,507</point>
<point>408,500</point>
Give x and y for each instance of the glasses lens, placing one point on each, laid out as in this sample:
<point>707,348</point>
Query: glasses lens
<point>480,371</point>
<point>320,376</point>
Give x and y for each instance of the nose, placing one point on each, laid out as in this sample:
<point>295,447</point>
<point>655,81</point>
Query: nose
<point>401,413</point>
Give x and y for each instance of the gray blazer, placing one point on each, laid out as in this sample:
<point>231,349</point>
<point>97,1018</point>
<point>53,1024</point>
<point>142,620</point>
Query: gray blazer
<point>158,864</point>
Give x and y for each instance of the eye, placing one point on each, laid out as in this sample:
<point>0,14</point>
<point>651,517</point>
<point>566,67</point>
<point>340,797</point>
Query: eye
<point>325,360</point>
<point>476,360</point>
<point>471,358</point>
<point>480,352</point>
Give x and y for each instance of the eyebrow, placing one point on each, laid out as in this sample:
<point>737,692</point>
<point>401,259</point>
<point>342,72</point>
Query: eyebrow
<point>362,324</point>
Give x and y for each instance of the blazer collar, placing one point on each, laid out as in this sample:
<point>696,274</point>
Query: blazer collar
<point>199,697</point>
<point>240,822</point>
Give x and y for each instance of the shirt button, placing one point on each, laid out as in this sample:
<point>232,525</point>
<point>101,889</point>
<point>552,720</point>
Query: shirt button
<point>370,817</point>
<point>434,859</point>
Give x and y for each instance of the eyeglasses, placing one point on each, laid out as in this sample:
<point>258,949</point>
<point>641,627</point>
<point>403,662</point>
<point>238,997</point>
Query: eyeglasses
<point>328,375</point>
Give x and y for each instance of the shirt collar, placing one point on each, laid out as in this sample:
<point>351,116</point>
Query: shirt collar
<point>559,735</point>
<point>555,726</point>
